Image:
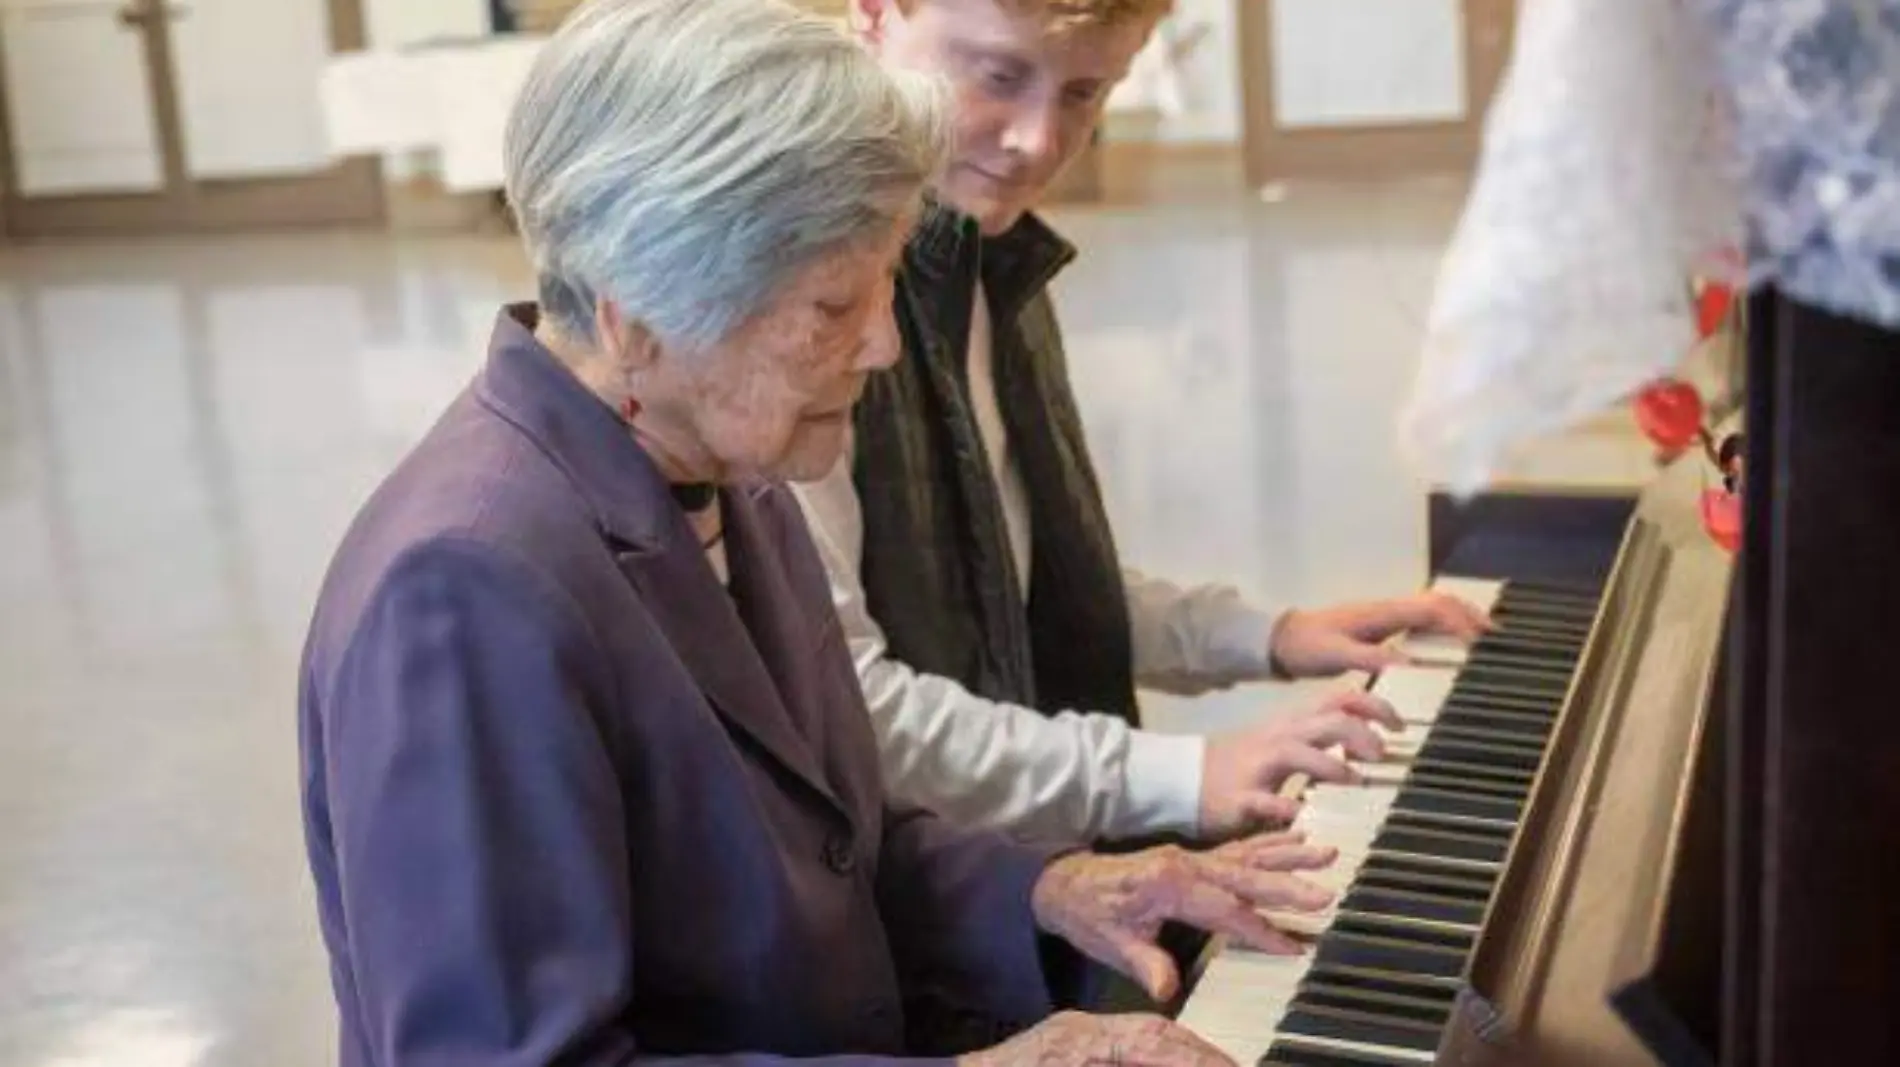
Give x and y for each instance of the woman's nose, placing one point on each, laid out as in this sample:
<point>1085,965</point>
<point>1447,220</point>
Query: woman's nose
<point>882,345</point>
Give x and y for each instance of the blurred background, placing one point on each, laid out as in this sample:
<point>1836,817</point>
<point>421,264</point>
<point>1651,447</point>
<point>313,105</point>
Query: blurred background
<point>250,248</point>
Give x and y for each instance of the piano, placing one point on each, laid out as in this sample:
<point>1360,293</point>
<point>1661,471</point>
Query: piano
<point>1579,850</point>
<point>1492,867</point>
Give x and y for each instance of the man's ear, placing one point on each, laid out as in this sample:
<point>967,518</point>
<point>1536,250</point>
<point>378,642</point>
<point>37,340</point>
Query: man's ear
<point>870,18</point>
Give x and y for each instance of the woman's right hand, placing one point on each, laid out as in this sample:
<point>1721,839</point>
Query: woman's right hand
<point>1076,1039</point>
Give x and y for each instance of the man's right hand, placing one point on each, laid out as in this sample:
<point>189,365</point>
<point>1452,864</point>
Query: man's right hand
<point>1074,1039</point>
<point>1244,770</point>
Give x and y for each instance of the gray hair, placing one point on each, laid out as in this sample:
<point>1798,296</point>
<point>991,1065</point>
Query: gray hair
<point>685,158</point>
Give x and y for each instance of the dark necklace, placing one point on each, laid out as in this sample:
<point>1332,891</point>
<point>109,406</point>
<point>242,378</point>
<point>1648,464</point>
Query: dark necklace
<point>694,497</point>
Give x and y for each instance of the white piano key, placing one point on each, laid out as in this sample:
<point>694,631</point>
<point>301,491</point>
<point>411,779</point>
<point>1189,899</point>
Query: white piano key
<point>1481,593</point>
<point>1322,828</point>
<point>1388,772</point>
<point>1386,1052</point>
<point>1240,1000</point>
<point>1337,878</point>
<point>1362,801</point>
<point>1308,924</point>
<point>1416,693</point>
<point>1435,650</point>
<point>1402,746</point>
<point>1244,1050</point>
<point>1443,650</point>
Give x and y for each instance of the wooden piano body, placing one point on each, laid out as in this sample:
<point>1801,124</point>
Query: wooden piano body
<point>1706,867</point>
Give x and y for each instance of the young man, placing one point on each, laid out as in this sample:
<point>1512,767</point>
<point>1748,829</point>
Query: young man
<point>997,637</point>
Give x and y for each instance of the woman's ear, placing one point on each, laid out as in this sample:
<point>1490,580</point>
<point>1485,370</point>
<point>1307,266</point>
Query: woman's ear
<point>627,343</point>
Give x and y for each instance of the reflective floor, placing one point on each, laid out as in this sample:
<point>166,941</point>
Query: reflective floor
<point>185,427</point>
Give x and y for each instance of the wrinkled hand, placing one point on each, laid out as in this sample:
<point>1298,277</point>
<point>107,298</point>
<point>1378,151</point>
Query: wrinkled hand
<point>1244,770</point>
<point>1111,907</point>
<point>1073,1039</point>
<point>1326,641</point>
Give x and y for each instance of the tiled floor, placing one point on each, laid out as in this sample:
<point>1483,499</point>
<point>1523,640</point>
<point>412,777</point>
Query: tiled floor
<point>186,427</point>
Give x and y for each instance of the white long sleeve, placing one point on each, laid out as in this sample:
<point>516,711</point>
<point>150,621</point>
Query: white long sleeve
<point>1072,776</point>
<point>1191,640</point>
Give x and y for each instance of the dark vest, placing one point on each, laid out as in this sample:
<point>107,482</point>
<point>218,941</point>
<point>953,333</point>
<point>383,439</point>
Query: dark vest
<point>937,571</point>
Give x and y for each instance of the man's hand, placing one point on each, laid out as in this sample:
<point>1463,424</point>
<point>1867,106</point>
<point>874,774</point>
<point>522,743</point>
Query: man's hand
<point>1111,907</point>
<point>1350,637</point>
<point>1244,770</point>
<point>1073,1039</point>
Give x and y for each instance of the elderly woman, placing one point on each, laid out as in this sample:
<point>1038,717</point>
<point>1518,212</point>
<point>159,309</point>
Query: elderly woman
<point>588,777</point>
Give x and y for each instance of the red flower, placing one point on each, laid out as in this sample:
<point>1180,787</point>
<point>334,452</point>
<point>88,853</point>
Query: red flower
<point>1711,307</point>
<point>1670,414</point>
<point>1722,517</point>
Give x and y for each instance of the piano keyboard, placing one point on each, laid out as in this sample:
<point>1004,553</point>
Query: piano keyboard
<point>1421,848</point>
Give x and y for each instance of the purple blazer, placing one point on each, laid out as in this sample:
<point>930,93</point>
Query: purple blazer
<point>570,800</point>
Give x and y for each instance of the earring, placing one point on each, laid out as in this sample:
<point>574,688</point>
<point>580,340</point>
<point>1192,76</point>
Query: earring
<point>629,408</point>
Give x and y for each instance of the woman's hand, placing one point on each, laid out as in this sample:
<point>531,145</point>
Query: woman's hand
<point>1072,1039</point>
<point>1111,907</point>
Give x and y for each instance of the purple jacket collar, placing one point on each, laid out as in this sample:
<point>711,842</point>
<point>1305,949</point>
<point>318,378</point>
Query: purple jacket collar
<point>527,386</point>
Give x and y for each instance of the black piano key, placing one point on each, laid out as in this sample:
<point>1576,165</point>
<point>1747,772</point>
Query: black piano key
<point>1504,762</point>
<point>1459,730</point>
<point>1434,862</point>
<point>1384,983</point>
<point>1560,639</point>
<point>1575,615</point>
<point>1505,699</point>
<point>1340,1025</point>
<point>1517,617</point>
<point>1510,618</point>
<point>1426,798</point>
<point>1476,774</point>
<point>1440,843</point>
<point>1502,828</point>
<point>1457,780</point>
<point>1580,588</point>
<point>1292,1052</point>
<point>1580,596</point>
<point>1421,932</point>
<point>1473,888</point>
<point>1557,653</point>
<point>1534,729</point>
<point>1475,677</point>
<point>1538,597</point>
<point>1464,696</point>
<point>1408,1009</point>
<point>1423,905</point>
<point>1505,670</point>
<point>1411,820</point>
<point>1539,661</point>
<point>1345,949</point>
<point>1543,648</point>
<point>1398,930</point>
<point>1449,884</point>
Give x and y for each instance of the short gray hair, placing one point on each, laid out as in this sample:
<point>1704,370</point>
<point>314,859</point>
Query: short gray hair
<point>684,158</point>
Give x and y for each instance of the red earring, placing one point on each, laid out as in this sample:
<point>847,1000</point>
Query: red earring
<point>629,408</point>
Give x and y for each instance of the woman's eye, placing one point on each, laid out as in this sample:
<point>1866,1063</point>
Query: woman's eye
<point>834,311</point>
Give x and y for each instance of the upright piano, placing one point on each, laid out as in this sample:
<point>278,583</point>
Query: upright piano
<point>1654,819</point>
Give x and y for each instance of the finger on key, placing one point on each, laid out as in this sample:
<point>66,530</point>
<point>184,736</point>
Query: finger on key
<point>1370,706</point>
<point>1276,889</point>
<point>1316,765</point>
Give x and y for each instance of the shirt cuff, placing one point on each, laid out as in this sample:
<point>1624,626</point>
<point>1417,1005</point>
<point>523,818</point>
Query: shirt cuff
<point>1240,645</point>
<point>1162,784</point>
